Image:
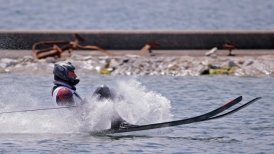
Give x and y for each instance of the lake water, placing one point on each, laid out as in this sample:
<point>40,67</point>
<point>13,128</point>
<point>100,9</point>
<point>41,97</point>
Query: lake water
<point>149,99</point>
<point>141,14</point>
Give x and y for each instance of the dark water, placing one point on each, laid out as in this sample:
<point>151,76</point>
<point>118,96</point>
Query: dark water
<point>250,130</point>
<point>141,14</point>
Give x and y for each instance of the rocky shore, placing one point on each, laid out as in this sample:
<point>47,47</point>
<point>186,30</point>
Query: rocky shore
<point>262,65</point>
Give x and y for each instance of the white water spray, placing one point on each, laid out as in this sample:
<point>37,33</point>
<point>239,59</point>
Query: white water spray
<point>136,104</point>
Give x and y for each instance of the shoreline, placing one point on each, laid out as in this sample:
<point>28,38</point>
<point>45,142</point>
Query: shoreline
<point>164,62</point>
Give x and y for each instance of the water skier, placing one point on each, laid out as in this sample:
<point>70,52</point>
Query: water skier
<point>64,91</point>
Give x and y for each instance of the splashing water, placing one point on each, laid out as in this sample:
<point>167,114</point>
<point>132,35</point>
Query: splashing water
<point>136,105</point>
<point>140,105</point>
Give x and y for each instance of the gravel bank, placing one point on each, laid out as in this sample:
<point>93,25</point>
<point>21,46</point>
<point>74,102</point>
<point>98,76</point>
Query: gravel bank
<point>259,65</point>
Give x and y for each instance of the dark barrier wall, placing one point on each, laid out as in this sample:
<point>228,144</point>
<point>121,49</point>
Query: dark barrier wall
<point>118,39</point>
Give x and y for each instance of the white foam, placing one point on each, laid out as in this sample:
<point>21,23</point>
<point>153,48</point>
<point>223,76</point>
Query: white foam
<point>137,105</point>
<point>141,106</point>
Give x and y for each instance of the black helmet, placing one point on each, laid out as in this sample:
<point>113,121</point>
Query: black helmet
<point>61,71</point>
<point>103,92</point>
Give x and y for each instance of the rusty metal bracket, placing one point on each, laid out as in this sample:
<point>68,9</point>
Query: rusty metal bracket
<point>230,46</point>
<point>46,49</point>
<point>147,49</point>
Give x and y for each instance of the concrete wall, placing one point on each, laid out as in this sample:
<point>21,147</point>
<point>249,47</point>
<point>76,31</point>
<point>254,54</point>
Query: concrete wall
<point>118,39</point>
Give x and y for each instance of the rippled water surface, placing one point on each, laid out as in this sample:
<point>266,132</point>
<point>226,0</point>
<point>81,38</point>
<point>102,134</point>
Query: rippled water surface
<point>250,130</point>
<point>141,14</point>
